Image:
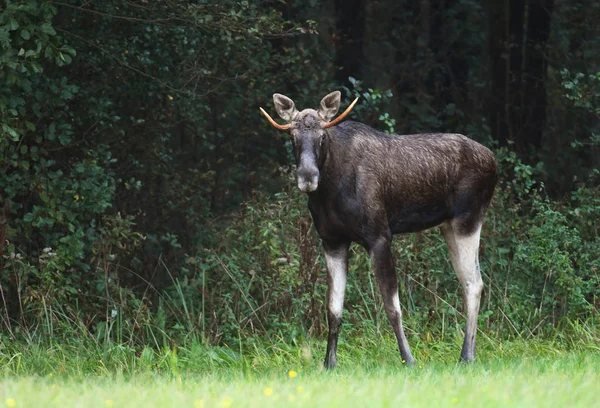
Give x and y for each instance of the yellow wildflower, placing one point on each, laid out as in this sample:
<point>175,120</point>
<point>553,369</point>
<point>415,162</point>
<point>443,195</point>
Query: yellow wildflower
<point>11,402</point>
<point>109,403</point>
<point>268,391</point>
<point>292,374</point>
<point>454,400</point>
<point>299,388</point>
<point>198,404</point>
<point>226,402</point>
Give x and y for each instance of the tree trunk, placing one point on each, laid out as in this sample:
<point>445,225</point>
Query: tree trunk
<point>533,113</point>
<point>517,38</point>
<point>350,29</point>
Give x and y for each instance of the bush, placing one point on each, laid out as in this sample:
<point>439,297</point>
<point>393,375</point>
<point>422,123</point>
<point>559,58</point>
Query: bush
<point>265,275</point>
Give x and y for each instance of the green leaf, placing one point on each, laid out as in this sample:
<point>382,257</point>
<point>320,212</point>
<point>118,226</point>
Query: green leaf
<point>69,49</point>
<point>51,133</point>
<point>47,28</point>
<point>13,24</point>
<point>64,139</point>
<point>37,68</point>
<point>25,34</point>
<point>11,132</point>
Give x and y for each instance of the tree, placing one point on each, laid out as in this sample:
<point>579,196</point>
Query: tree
<point>350,28</point>
<point>517,38</point>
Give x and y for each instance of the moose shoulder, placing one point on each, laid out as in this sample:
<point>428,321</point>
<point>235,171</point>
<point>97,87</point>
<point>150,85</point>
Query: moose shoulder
<point>364,186</point>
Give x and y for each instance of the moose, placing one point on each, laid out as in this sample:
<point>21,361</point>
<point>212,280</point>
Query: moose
<point>364,186</point>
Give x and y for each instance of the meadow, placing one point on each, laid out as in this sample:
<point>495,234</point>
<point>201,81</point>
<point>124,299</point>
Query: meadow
<point>516,373</point>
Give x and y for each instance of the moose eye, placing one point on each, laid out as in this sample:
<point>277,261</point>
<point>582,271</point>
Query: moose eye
<point>322,139</point>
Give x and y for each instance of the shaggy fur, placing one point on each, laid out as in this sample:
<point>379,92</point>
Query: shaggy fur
<point>364,186</point>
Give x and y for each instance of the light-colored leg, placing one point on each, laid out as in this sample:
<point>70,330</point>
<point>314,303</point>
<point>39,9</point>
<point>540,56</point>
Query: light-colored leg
<point>464,254</point>
<point>337,272</point>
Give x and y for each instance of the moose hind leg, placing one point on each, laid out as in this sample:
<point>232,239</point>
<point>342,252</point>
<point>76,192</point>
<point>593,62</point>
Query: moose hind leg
<point>387,280</point>
<point>464,254</point>
<point>336,258</point>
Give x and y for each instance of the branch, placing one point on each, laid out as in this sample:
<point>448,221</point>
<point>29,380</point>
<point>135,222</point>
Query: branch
<point>158,21</point>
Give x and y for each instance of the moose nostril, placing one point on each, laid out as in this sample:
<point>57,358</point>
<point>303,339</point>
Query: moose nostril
<point>308,179</point>
<point>308,174</point>
<point>308,186</point>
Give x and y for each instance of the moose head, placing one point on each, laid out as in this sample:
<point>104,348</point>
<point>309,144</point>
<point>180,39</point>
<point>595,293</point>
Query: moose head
<point>309,132</point>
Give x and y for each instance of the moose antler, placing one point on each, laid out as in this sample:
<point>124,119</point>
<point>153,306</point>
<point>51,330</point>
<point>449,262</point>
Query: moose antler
<point>341,117</point>
<point>275,124</point>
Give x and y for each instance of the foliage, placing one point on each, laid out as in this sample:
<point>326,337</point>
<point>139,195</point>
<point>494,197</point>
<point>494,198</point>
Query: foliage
<point>584,92</point>
<point>266,275</point>
<point>146,202</point>
<point>54,184</point>
<point>87,134</point>
<point>539,260</point>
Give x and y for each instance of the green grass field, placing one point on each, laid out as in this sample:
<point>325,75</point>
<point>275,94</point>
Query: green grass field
<point>370,374</point>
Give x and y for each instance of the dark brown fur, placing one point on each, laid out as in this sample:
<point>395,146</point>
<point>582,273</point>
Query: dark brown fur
<point>372,181</point>
<point>364,186</point>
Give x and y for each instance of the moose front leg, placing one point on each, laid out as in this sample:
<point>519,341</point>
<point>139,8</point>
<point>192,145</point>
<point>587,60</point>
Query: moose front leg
<point>383,262</point>
<point>336,257</point>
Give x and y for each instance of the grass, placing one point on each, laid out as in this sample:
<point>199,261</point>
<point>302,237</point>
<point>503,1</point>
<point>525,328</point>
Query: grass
<point>511,373</point>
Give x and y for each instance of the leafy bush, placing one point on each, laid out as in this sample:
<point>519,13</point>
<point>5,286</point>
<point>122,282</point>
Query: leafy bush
<point>100,127</point>
<point>126,151</point>
<point>266,276</point>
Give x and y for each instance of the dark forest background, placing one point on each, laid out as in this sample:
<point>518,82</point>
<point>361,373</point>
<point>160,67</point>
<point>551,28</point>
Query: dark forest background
<point>144,199</point>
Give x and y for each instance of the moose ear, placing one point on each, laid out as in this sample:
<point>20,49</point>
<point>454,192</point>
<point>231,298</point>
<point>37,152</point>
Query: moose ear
<point>284,106</point>
<point>330,105</point>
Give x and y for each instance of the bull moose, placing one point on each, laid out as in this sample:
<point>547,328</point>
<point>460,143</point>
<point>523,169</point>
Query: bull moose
<point>365,186</point>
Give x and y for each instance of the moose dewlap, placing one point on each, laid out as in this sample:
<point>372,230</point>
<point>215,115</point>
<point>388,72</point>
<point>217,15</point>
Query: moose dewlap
<point>365,186</point>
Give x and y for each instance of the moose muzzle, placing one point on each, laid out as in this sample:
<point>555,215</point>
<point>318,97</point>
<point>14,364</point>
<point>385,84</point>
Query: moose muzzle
<point>308,178</point>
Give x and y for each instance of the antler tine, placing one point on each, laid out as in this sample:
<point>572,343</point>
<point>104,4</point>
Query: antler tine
<point>342,116</point>
<point>275,124</point>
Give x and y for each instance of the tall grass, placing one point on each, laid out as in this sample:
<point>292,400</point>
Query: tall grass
<point>259,279</point>
<point>85,355</point>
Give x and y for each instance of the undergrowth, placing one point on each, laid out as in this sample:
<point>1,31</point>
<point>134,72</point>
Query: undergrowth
<point>258,275</point>
<point>78,357</point>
